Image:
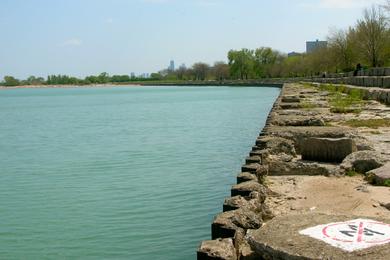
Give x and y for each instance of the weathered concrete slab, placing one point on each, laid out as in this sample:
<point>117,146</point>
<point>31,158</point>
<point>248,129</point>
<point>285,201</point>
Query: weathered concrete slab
<point>219,249</point>
<point>252,168</point>
<point>298,121</point>
<point>299,134</point>
<point>253,159</point>
<point>290,105</point>
<point>381,176</point>
<point>276,145</point>
<point>327,149</point>
<point>246,176</point>
<point>258,153</point>
<point>246,188</point>
<point>233,203</point>
<point>362,161</point>
<point>281,238</point>
<point>291,99</point>
<point>227,224</point>
<point>299,167</point>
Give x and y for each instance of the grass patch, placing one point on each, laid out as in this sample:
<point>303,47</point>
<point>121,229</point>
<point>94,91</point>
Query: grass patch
<point>351,173</point>
<point>370,123</point>
<point>370,178</point>
<point>343,99</point>
<point>308,85</point>
<point>307,105</point>
<point>341,103</point>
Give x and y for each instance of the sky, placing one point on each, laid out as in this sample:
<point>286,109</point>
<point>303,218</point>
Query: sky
<point>84,37</point>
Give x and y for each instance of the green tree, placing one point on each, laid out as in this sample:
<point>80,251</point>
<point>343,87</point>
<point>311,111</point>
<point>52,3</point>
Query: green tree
<point>241,63</point>
<point>32,80</point>
<point>103,78</point>
<point>264,60</point>
<point>10,81</point>
<point>371,37</point>
<point>341,49</point>
<point>156,76</point>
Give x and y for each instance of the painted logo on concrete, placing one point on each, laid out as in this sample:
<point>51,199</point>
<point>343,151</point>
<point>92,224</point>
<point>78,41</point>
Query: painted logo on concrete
<point>352,235</point>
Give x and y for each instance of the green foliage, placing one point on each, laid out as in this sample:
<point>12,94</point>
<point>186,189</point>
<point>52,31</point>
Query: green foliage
<point>342,103</point>
<point>374,181</point>
<point>343,99</point>
<point>10,81</point>
<point>241,63</point>
<point>351,173</point>
<point>307,105</point>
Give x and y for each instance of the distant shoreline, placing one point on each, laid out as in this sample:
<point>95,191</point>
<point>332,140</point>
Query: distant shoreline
<point>70,86</point>
<point>267,82</point>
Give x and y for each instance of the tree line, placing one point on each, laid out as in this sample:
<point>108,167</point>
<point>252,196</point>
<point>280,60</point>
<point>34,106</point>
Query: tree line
<point>102,78</point>
<point>366,44</point>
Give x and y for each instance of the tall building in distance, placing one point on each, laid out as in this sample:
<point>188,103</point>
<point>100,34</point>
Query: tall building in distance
<point>312,46</point>
<point>171,65</point>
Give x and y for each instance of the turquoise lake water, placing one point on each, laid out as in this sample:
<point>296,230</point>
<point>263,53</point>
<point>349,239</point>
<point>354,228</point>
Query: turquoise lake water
<point>120,173</point>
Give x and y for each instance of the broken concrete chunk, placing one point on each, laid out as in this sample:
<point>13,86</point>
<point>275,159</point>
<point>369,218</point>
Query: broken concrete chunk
<point>282,238</point>
<point>246,188</point>
<point>219,249</point>
<point>327,149</point>
<point>246,176</point>
<point>253,159</point>
<point>362,161</point>
<point>291,99</point>
<point>277,145</point>
<point>380,176</point>
<point>226,224</point>
<point>233,203</point>
<point>251,168</point>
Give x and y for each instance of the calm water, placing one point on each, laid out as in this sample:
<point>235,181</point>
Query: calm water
<point>120,173</point>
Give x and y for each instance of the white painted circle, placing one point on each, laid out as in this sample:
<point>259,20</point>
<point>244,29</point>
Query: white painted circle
<point>351,235</point>
<point>358,232</point>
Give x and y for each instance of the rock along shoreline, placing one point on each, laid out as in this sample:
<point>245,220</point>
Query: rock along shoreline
<point>310,166</point>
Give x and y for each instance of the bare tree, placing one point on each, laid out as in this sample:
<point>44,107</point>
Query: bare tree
<point>221,70</point>
<point>386,6</point>
<point>341,49</point>
<point>200,70</point>
<point>181,71</point>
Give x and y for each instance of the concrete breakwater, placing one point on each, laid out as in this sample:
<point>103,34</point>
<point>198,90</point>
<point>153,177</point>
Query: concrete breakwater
<point>373,78</point>
<point>309,168</point>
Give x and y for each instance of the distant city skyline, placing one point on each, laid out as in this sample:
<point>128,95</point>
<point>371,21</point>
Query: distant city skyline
<point>81,38</point>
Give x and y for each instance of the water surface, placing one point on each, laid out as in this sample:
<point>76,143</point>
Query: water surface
<point>120,173</point>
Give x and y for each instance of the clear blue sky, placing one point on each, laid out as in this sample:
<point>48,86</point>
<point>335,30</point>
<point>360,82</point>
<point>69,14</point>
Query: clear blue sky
<point>82,37</point>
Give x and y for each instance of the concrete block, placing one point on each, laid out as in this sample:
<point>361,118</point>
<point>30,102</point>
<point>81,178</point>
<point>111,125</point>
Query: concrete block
<point>386,82</point>
<point>246,176</point>
<point>282,238</point>
<point>381,176</point>
<point>219,249</point>
<point>251,168</point>
<point>246,188</point>
<point>327,149</point>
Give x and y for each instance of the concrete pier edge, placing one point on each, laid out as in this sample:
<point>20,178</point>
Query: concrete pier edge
<point>245,211</point>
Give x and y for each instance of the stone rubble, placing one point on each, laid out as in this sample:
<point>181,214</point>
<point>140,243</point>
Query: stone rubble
<point>296,144</point>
